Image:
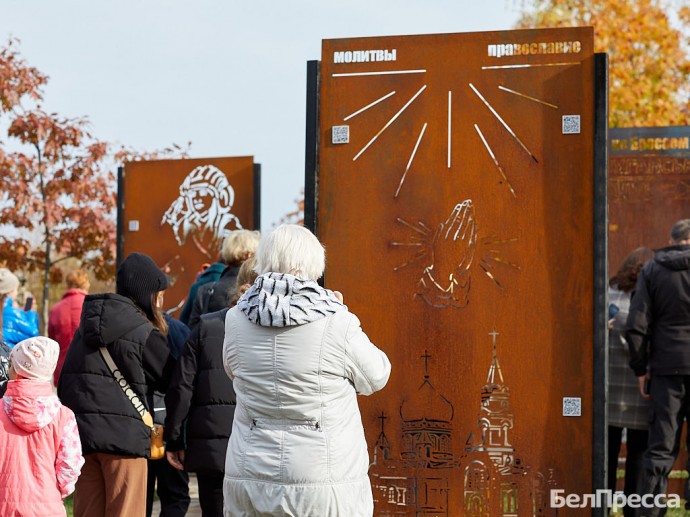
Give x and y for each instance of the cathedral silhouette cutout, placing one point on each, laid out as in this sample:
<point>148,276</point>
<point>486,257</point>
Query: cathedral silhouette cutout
<point>489,476</point>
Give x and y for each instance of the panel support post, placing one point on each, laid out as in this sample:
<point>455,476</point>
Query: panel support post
<point>120,236</point>
<point>600,355</point>
<point>257,196</point>
<point>311,157</point>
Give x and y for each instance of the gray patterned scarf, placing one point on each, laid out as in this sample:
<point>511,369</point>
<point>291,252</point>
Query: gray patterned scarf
<point>282,300</point>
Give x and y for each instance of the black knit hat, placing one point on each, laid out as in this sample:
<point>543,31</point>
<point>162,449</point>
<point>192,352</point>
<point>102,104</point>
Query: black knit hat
<point>138,277</point>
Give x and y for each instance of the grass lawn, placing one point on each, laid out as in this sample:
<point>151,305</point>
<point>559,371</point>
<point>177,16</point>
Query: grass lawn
<point>677,512</point>
<point>671,512</point>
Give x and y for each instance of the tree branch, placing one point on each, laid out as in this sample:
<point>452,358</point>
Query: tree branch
<point>56,261</point>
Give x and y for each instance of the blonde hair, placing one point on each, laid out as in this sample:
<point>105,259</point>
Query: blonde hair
<point>239,245</point>
<point>247,273</point>
<point>291,249</point>
<point>245,278</point>
<point>78,279</point>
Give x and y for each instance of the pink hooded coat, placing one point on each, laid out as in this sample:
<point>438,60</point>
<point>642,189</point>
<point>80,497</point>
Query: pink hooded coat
<point>40,451</point>
<point>63,323</point>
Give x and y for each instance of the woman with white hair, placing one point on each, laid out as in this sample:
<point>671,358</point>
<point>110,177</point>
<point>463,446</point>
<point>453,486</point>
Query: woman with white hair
<point>298,359</point>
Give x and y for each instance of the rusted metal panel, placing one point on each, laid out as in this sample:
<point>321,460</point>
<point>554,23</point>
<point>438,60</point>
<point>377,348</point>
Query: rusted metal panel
<point>649,190</point>
<point>178,211</point>
<point>649,187</point>
<point>454,191</point>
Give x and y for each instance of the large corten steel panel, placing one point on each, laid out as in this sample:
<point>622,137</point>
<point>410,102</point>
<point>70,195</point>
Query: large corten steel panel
<point>649,187</point>
<point>458,222</point>
<point>178,211</point>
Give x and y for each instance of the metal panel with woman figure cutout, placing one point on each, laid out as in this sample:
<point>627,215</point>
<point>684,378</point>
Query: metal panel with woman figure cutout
<point>179,211</point>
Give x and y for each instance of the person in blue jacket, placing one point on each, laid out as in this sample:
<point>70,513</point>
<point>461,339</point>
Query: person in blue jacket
<point>210,274</point>
<point>171,485</point>
<point>17,324</point>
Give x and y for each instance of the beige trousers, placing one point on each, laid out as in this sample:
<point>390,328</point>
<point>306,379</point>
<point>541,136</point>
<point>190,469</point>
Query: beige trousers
<point>111,486</point>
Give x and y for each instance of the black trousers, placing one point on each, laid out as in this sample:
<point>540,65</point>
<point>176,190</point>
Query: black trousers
<point>173,489</point>
<point>670,405</point>
<point>210,494</point>
<point>636,446</point>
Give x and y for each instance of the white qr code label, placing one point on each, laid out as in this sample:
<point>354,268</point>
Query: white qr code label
<point>340,135</point>
<point>571,124</point>
<point>572,406</point>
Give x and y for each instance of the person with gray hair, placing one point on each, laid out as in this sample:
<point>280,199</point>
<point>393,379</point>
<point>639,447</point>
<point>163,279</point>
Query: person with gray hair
<point>658,335</point>
<point>298,359</point>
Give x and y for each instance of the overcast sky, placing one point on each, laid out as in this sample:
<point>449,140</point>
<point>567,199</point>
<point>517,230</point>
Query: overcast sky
<point>228,76</point>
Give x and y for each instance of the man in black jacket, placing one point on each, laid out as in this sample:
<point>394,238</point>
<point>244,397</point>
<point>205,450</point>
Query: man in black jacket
<point>658,334</point>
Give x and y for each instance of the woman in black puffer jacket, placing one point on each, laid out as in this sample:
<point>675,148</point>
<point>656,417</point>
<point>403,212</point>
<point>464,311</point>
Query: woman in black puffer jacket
<point>201,404</point>
<point>115,440</point>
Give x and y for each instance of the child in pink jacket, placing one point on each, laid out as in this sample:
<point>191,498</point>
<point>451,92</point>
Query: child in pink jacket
<point>40,451</point>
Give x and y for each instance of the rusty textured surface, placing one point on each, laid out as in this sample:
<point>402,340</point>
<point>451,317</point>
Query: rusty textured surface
<point>475,273</point>
<point>150,188</point>
<point>647,194</point>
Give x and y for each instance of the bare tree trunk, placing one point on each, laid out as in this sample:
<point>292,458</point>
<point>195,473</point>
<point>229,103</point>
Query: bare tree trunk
<point>46,233</point>
<point>46,287</point>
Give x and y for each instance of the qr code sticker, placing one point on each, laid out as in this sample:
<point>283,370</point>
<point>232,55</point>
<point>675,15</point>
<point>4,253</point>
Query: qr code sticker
<point>341,134</point>
<point>571,124</point>
<point>572,406</point>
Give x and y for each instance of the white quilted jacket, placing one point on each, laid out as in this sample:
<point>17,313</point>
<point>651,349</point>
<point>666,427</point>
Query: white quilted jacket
<point>297,446</point>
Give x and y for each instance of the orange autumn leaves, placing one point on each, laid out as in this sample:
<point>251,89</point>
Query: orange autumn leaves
<point>58,189</point>
<point>59,194</point>
<point>648,44</point>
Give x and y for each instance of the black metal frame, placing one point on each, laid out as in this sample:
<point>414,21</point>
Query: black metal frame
<point>311,155</point>
<point>119,246</point>
<point>257,196</point>
<point>600,354</point>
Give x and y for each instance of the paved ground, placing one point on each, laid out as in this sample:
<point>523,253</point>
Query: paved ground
<point>194,508</point>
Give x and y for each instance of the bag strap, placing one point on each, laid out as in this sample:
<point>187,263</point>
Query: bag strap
<point>128,391</point>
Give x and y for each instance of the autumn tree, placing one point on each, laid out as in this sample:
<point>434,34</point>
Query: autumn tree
<point>648,44</point>
<point>57,186</point>
<point>18,80</point>
<point>60,191</point>
<point>125,154</point>
<point>297,215</point>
